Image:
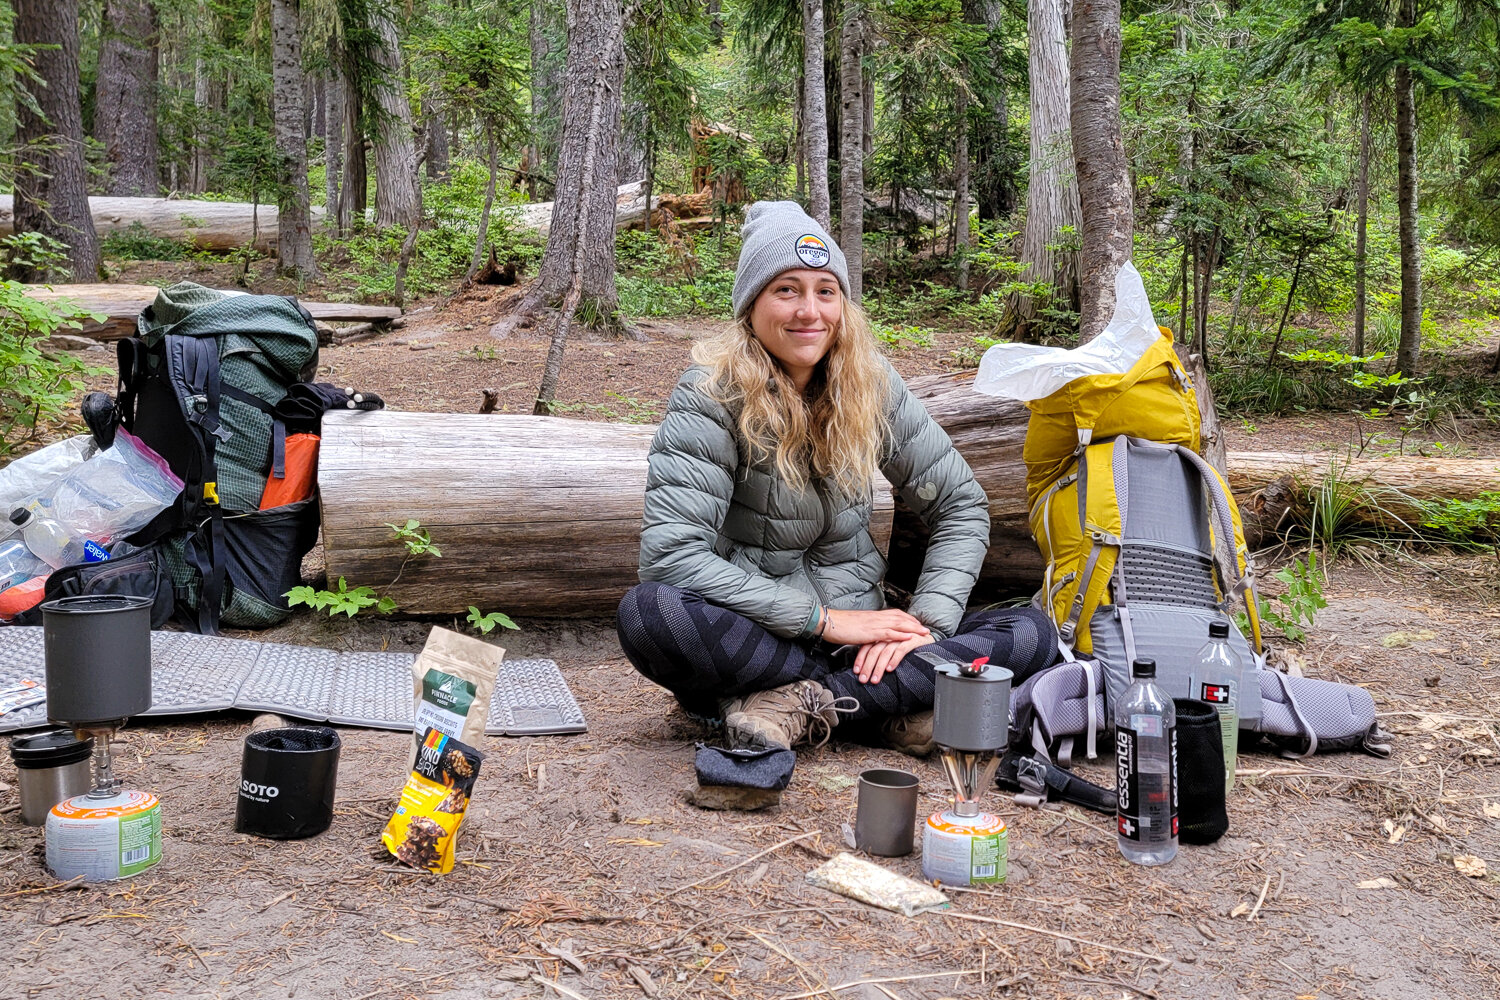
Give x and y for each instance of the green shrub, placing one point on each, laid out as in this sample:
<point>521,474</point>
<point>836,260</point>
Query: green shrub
<point>137,243</point>
<point>37,386</point>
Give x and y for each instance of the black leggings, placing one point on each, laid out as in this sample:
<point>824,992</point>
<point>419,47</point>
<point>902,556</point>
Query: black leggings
<point>703,653</point>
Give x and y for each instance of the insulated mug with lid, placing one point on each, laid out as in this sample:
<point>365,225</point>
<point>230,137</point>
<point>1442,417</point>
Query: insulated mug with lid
<point>287,781</point>
<point>50,767</point>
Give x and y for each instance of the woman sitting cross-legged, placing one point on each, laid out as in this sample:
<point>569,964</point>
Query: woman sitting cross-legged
<point>761,600</point>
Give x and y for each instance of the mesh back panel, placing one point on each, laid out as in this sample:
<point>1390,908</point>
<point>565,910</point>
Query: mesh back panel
<point>1167,576</point>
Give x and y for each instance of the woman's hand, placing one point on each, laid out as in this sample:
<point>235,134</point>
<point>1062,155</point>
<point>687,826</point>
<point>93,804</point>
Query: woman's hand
<point>859,628</point>
<point>876,659</point>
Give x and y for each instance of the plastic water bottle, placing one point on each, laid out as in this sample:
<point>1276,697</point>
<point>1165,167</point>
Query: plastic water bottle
<point>52,543</point>
<point>1146,770</point>
<point>17,564</point>
<point>1217,675</point>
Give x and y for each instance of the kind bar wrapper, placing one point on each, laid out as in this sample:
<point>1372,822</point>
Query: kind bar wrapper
<point>424,830</point>
<point>453,678</point>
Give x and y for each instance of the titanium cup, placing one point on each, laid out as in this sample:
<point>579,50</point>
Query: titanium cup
<point>885,816</point>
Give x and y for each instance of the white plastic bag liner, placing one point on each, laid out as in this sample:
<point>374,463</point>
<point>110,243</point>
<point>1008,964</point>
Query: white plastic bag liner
<point>1031,371</point>
<point>115,493</point>
<point>30,475</point>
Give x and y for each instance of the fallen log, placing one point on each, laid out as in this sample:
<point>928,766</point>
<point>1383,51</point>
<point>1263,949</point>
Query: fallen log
<point>1382,492</point>
<point>120,304</point>
<point>534,515</point>
<point>541,515</point>
<point>208,225</point>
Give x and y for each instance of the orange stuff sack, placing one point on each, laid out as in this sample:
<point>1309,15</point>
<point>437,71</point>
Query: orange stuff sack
<point>22,597</point>
<point>301,470</point>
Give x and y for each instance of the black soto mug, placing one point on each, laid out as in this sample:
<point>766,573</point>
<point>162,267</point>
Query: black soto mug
<point>287,782</point>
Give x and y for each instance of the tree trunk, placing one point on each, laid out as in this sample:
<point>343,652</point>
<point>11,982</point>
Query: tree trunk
<point>333,144</point>
<point>716,22</point>
<point>993,168</point>
<point>596,47</point>
<point>586,193</point>
<point>201,100</point>
<point>647,182</point>
<point>1361,225</point>
<point>395,144</point>
<point>1052,193</point>
<point>294,254</point>
<point>1286,310</point>
<point>852,146</point>
<point>1104,195</point>
<point>353,191</point>
<point>546,85</point>
<point>51,193</point>
<point>961,188</point>
<point>1239,288</point>
<point>437,141</point>
<point>815,115</point>
<point>125,105</point>
<point>869,75</point>
<point>1409,347</point>
<point>484,214</point>
<point>799,128</point>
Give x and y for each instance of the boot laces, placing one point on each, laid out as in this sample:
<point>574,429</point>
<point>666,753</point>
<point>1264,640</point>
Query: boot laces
<point>822,714</point>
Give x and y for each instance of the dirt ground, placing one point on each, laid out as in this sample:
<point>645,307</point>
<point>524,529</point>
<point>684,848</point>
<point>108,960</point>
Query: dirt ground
<point>582,844</point>
<point>581,866</point>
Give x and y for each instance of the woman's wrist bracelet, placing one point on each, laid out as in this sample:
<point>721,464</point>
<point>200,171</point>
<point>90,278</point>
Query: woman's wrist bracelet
<point>823,612</point>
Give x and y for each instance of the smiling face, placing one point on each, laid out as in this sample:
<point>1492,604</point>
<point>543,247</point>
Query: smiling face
<point>796,319</point>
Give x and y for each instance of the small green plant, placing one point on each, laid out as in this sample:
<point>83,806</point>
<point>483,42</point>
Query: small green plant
<point>416,538</point>
<point>418,542</point>
<point>136,242</point>
<point>1293,611</point>
<point>486,623</point>
<point>626,409</point>
<point>1465,521</point>
<point>340,601</point>
<point>37,385</point>
<point>902,336</point>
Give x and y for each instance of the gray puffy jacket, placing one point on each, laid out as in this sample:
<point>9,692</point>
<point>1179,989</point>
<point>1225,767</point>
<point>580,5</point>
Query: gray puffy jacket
<point>735,533</point>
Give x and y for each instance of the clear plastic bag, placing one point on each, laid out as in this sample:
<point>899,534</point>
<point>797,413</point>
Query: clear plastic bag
<point>1031,371</point>
<point>114,493</point>
<point>30,475</point>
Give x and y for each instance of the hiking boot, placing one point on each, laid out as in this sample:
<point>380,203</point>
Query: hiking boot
<point>910,734</point>
<point>796,713</point>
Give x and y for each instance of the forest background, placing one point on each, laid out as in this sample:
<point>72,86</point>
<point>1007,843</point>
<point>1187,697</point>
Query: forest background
<point>1312,190</point>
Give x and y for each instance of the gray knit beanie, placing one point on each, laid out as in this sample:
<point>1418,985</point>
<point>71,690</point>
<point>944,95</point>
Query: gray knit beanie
<point>778,236</point>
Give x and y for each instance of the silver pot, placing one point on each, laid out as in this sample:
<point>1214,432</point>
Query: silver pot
<point>50,767</point>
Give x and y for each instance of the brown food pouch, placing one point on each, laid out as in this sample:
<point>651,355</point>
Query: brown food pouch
<point>453,678</point>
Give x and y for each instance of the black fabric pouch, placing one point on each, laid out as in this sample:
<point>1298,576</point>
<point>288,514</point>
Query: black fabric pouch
<point>129,571</point>
<point>1201,815</point>
<point>767,769</point>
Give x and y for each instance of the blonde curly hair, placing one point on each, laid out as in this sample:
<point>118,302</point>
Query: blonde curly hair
<point>836,429</point>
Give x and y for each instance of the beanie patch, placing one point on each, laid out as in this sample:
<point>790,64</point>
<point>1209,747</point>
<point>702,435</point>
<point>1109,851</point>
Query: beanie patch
<point>812,251</point>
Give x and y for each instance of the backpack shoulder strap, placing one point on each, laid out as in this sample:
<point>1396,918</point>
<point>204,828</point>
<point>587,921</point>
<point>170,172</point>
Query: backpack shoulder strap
<point>193,366</point>
<point>1230,555</point>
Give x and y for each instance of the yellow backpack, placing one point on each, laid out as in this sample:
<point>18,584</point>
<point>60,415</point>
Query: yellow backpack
<point>1092,447</point>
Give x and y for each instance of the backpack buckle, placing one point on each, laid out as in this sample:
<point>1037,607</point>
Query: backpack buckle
<point>211,493</point>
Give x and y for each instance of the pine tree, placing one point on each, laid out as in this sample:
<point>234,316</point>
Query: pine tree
<point>50,193</point>
<point>125,102</point>
<point>294,223</point>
